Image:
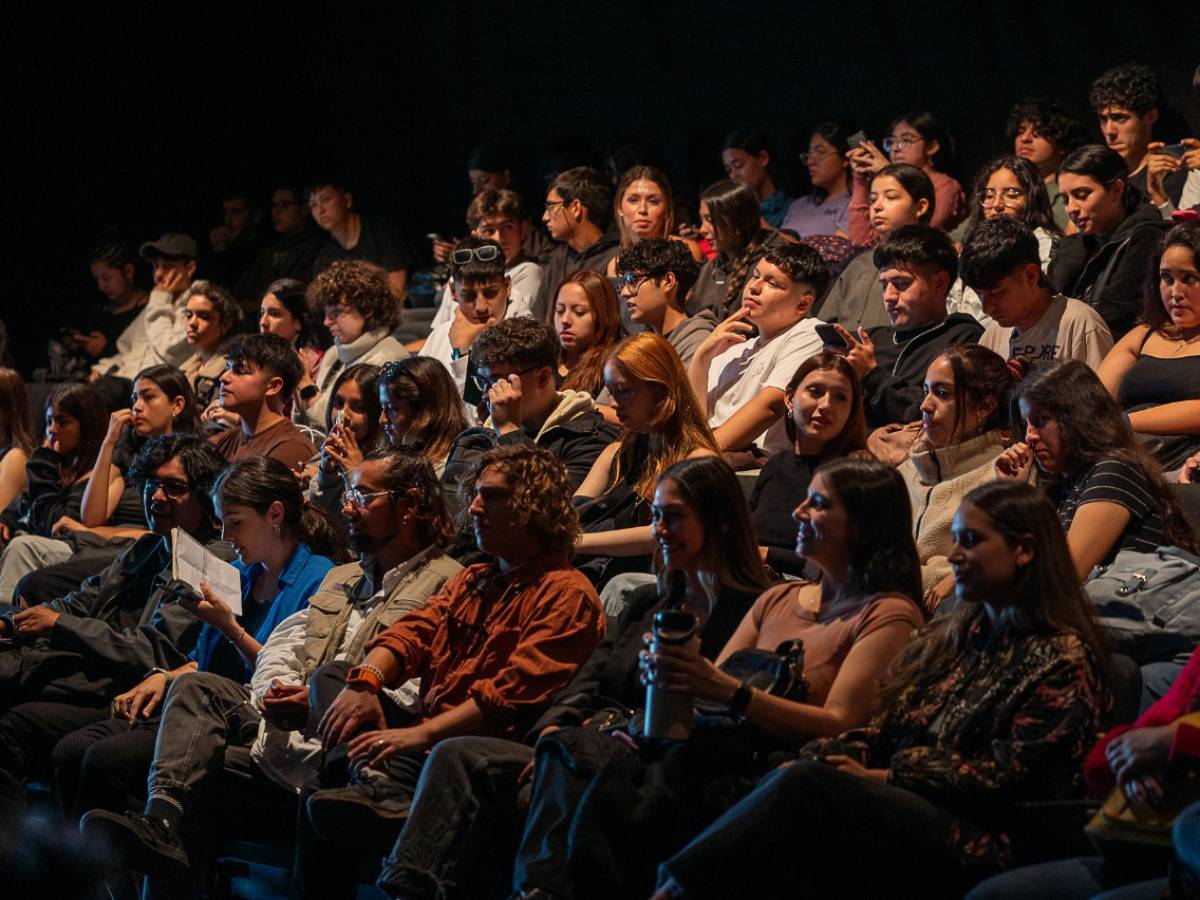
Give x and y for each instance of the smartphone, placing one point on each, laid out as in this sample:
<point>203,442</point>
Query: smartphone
<point>855,139</point>
<point>1176,150</point>
<point>832,338</point>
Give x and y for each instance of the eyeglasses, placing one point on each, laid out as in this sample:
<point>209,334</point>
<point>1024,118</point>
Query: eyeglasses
<point>816,155</point>
<point>485,383</point>
<point>632,281</point>
<point>464,255</point>
<point>899,143</point>
<point>552,205</point>
<point>358,499</point>
<point>172,488</point>
<point>1004,197</point>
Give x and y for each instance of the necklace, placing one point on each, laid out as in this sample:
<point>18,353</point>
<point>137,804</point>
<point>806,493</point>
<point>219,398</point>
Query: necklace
<point>1183,344</point>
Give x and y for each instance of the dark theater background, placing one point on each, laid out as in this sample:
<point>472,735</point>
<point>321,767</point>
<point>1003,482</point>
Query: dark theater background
<point>136,116</point>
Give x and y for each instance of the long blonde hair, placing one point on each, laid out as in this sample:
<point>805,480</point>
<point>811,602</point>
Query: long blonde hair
<point>678,429</point>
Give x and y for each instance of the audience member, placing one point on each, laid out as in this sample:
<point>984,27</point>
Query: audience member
<point>261,371</point>
<point>496,215</point>
<point>826,209</point>
<point>284,311</point>
<point>69,657</point>
<point>360,313</point>
<point>645,209</point>
<point>1008,187</point>
<point>17,440</point>
<point>57,474</point>
<point>173,257</point>
<point>587,321</point>
<point>95,334</point>
<point>292,255</point>
<point>990,706</point>
<point>352,430</point>
<point>483,294</point>
<point>656,276</point>
<point>730,222</point>
<point>1127,99</point>
<point>284,550</point>
<point>1154,371</point>
<point>236,242</point>
<point>355,236</point>
<point>747,160</point>
<point>515,363</point>
<point>917,264</point>
<point>1044,132</point>
<point>210,316</point>
<point>397,525</point>
<point>1104,263</point>
<point>420,409</point>
<point>465,819</point>
<point>962,419</point>
<point>741,388</point>
<point>824,422</point>
<point>853,620</point>
<point>1110,493</point>
<point>577,216</point>
<point>916,139</point>
<point>899,195</point>
<point>1001,263</point>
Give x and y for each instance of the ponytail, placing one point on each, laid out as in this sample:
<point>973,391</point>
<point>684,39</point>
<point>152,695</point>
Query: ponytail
<point>321,535</point>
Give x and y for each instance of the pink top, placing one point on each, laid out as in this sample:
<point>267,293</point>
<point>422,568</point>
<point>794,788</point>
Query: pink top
<point>949,208</point>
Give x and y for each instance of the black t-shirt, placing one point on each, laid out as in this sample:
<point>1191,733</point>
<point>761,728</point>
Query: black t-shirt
<point>1173,183</point>
<point>780,487</point>
<point>379,242</point>
<point>1116,481</point>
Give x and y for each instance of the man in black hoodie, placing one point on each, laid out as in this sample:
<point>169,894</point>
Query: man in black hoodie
<point>62,662</point>
<point>917,265</point>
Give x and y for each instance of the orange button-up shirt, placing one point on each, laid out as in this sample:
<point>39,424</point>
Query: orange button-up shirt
<point>510,642</point>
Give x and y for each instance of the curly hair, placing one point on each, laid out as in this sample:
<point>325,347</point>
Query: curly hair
<point>360,285</point>
<point>541,493</point>
<point>1036,213</point>
<point>222,302</point>
<point>1051,120</point>
<point>1132,86</point>
<point>200,460</point>
<point>409,472</point>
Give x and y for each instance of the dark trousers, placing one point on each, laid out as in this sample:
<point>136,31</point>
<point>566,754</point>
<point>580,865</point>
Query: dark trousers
<point>104,765</point>
<point>28,735</point>
<point>809,830</point>
<point>464,824</point>
<point>58,580</point>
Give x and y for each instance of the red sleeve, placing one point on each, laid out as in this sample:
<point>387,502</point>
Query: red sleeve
<point>859,228</point>
<point>411,638</point>
<point>950,205</point>
<point>1186,744</point>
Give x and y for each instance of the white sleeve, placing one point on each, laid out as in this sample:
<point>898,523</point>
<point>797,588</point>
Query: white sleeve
<point>282,656</point>
<point>445,311</point>
<point>165,329</point>
<point>800,347</point>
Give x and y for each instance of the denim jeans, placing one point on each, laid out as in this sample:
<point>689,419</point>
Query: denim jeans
<point>464,824</point>
<point>811,830</point>
<point>1081,877</point>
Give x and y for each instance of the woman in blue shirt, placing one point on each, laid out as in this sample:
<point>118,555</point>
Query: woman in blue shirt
<point>284,549</point>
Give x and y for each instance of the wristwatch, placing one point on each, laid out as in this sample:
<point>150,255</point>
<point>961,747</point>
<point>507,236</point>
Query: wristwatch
<point>740,701</point>
<point>369,678</point>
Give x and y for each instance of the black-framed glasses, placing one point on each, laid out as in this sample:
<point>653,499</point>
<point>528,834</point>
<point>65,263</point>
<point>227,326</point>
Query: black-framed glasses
<point>484,383</point>
<point>173,488</point>
<point>632,281</point>
<point>463,255</point>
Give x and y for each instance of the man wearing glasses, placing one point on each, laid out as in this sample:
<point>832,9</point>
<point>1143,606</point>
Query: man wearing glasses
<point>63,661</point>
<point>578,213</point>
<point>398,525</point>
<point>655,278</point>
<point>482,294</point>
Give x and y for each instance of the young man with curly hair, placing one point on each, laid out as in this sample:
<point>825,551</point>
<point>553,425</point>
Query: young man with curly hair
<point>491,650</point>
<point>357,307</point>
<point>1044,132</point>
<point>1126,100</point>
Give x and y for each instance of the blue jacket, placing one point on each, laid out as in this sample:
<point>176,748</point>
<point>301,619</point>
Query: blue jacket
<point>298,581</point>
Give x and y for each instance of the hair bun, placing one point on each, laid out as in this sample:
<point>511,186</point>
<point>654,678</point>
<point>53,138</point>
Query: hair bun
<point>1019,367</point>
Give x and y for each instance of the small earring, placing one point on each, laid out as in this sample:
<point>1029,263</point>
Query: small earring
<point>275,525</point>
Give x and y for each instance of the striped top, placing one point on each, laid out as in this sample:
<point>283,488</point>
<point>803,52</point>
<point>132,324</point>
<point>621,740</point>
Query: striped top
<point>1116,481</point>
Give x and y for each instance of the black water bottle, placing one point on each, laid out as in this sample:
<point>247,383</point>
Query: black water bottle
<point>669,714</point>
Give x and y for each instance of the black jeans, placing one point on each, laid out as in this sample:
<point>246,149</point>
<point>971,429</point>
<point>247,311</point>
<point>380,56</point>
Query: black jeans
<point>104,765</point>
<point>28,734</point>
<point>464,824</point>
<point>809,830</point>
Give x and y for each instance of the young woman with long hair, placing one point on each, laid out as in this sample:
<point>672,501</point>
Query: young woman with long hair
<point>826,209</point>
<point>853,619</point>
<point>991,705</point>
<point>420,408</point>
<point>746,155</point>
<point>17,440</point>
<point>587,320</point>
<point>352,423</point>
<point>824,421</point>
<point>644,208</point>
<point>1110,493</point>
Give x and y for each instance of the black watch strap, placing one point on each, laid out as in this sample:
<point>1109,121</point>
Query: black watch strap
<point>740,701</point>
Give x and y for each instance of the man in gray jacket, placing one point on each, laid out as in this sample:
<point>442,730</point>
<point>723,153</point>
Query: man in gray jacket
<point>656,277</point>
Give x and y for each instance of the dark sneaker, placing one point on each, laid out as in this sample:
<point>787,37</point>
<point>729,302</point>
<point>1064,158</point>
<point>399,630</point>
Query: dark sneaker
<point>343,816</point>
<point>144,844</point>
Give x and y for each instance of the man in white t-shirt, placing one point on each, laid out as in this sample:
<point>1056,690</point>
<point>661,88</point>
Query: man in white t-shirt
<point>1000,262</point>
<point>740,378</point>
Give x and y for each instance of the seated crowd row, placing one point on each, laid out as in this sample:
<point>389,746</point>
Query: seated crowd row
<point>946,434</point>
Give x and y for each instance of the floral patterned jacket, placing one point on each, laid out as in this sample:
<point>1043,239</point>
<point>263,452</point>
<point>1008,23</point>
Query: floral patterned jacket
<point>1012,720</point>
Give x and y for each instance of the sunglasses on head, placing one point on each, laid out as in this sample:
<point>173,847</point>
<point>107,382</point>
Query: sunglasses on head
<point>464,255</point>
